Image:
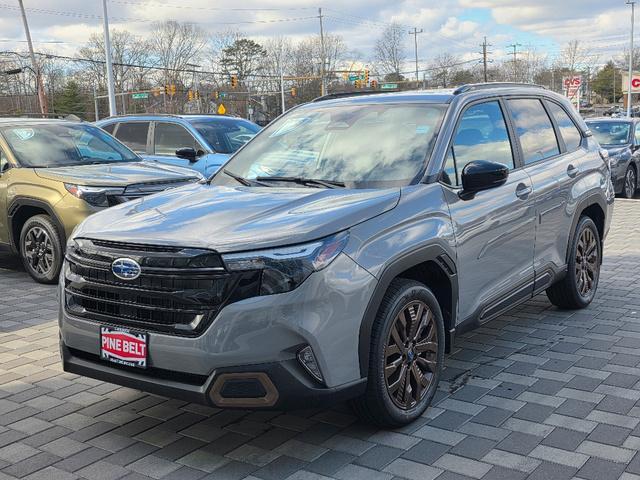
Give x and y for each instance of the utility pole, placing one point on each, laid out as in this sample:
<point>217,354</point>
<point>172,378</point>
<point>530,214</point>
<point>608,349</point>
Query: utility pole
<point>515,59</point>
<point>42,98</point>
<point>323,85</point>
<point>484,46</point>
<point>95,103</point>
<point>415,43</point>
<point>107,54</point>
<point>633,5</point>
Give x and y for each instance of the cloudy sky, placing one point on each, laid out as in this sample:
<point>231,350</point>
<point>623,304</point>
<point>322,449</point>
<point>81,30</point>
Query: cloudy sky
<point>454,26</point>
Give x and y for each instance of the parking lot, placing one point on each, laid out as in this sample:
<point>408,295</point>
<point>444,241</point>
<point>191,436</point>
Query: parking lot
<point>538,393</point>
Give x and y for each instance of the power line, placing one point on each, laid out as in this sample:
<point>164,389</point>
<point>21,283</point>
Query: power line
<point>224,9</point>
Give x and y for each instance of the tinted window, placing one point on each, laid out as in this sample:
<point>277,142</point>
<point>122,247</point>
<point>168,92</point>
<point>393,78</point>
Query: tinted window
<point>134,135</point>
<point>364,146</point>
<point>611,133</point>
<point>64,144</point>
<point>570,133</point>
<point>168,137</point>
<point>637,135</point>
<point>225,135</point>
<point>534,128</point>
<point>481,135</point>
<point>109,128</point>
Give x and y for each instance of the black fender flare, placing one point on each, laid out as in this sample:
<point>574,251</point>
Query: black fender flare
<point>593,199</point>
<point>22,201</point>
<point>435,253</point>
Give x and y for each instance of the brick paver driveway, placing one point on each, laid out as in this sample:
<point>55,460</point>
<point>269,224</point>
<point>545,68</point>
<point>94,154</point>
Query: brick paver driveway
<point>539,393</point>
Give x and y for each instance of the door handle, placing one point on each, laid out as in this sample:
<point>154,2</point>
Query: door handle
<point>572,171</point>
<point>523,191</point>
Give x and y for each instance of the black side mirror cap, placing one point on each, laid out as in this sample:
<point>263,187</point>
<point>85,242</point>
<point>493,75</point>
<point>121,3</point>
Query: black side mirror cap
<point>481,175</point>
<point>188,153</point>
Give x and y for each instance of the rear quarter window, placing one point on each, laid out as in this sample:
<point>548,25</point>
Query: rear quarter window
<point>568,130</point>
<point>134,135</point>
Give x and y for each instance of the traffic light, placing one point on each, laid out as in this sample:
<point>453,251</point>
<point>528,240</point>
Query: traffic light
<point>234,81</point>
<point>196,95</point>
<point>293,91</point>
<point>374,84</point>
<point>216,95</point>
<point>171,90</point>
<point>157,91</point>
<point>190,95</point>
<point>366,76</point>
<point>166,89</point>
<point>356,83</point>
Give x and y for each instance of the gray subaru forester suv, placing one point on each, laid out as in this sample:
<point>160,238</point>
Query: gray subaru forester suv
<point>339,253</point>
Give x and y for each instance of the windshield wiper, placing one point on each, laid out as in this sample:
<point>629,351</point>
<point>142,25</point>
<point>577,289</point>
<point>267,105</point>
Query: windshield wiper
<point>244,181</point>
<point>304,181</point>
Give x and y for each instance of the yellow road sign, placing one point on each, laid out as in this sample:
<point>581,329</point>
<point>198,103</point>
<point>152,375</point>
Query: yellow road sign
<point>221,109</point>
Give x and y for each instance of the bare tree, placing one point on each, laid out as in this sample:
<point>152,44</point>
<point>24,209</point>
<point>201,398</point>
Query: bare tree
<point>126,51</point>
<point>389,50</point>
<point>176,45</point>
<point>443,67</point>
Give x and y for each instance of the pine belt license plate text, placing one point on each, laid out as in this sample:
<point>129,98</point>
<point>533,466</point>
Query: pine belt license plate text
<point>123,346</point>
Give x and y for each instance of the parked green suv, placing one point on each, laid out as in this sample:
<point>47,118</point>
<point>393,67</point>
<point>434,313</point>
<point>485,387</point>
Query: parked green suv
<point>55,173</point>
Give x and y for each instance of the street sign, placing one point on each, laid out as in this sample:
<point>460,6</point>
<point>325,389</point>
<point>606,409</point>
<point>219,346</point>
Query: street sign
<point>221,109</point>
<point>388,86</point>
<point>573,89</point>
<point>140,96</point>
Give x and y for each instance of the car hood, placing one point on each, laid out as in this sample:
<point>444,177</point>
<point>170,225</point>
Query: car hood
<point>116,174</point>
<point>615,149</point>
<point>237,218</point>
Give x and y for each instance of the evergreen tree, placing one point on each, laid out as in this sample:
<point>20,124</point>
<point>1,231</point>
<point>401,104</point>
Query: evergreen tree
<point>603,82</point>
<point>71,101</point>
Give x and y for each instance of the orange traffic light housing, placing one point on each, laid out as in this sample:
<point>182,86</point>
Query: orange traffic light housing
<point>234,81</point>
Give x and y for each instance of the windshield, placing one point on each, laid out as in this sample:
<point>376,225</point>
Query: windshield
<point>362,146</point>
<point>611,133</point>
<point>225,136</point>
<point>61,145</point>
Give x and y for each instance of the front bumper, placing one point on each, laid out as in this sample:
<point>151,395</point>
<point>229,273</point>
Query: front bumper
<point>259,335</point>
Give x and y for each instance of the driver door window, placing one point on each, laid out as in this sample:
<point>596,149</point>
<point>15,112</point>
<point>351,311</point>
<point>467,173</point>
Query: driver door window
<point>168,137</point>
<point>481,135</point>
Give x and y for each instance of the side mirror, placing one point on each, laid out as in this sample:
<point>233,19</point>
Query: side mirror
<point>4,166</point>
<point>188,153</point>
<point>482,175</point>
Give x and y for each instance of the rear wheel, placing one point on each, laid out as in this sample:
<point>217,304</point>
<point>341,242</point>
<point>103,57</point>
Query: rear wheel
<point>630,183</point>
<point>407,354</point>
<point>578,287</point>
<point>41,249</point>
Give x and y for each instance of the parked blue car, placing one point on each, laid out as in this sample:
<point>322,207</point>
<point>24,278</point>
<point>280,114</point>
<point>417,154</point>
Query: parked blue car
<point>200,142</point>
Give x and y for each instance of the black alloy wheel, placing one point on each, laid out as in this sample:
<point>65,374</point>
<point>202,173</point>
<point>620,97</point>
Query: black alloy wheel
<point>411,355</point>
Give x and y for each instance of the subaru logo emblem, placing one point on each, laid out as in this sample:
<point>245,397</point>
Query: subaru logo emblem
<point>126,268</point>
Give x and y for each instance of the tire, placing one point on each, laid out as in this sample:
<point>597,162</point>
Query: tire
<point>569,293</point>
<point>630,183</point>
<point>41,249</point>
<point>381,404</point>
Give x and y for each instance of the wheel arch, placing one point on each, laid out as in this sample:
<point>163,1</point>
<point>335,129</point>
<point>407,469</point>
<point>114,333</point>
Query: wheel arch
<point>23,208</point>
<point>595,208</point>
<point>430,265</point>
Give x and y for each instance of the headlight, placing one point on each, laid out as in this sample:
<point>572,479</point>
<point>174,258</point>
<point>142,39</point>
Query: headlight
<point>284,269</point>
<point>96,196</point>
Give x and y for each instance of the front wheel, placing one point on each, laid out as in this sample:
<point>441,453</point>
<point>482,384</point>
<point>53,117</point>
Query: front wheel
<point>578,287</point>
<point>41,249</point>
<point>630,183</point>
<point>406,358</point>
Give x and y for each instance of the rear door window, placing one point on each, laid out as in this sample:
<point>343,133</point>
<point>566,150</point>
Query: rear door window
<point>134,135</point>
<point>570,133</point>
<point>534,129</point>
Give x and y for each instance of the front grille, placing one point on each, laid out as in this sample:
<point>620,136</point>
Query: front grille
<point>179,290</point>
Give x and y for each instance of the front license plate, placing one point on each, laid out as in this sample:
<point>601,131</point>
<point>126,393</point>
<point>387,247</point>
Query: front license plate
<point>123,346</point>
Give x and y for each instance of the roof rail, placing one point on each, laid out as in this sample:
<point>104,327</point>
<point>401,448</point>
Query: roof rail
<point>480,86</point>
<point>144,114</point>
<point>331,96</point>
